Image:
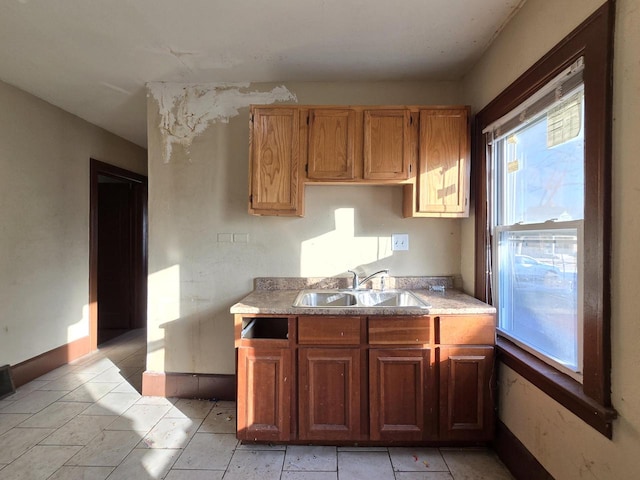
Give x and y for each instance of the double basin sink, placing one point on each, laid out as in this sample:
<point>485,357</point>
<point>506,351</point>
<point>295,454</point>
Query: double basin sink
<point>358,299</point>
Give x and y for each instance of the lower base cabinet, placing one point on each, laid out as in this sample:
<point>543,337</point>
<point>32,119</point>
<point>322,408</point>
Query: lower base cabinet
<point>383,380</point>
<point>401,394</point>
<point>466,407</point>
<point>329,393</point>
<point>264,394</point>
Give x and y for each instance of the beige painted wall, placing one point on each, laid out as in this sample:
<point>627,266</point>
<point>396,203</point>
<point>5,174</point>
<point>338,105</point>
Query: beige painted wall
<point>566,446</point>
<point>201,192</point>
<point>44,221</point>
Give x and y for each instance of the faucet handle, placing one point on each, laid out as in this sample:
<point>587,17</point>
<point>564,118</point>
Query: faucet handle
<point>383,280</point>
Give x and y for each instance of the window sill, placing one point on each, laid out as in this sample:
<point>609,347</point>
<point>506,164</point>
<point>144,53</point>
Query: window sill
<point>562,388</point>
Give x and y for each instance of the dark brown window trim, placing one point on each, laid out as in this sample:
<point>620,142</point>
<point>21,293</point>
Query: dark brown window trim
<point>562,388</point>
<point>593,39</point>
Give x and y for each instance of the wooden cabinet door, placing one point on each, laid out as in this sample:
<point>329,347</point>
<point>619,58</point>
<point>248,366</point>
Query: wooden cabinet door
<point>401,394</point>
<point>466,408</point>
<point>329,394</point>
<point>275,187</point>
<point>387,144</point>
<point>331,144</point>
<point>264,394</point>
<point>443,165</point>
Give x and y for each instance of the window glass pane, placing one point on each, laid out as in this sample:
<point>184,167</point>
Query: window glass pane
<point>538,291</point>
<point>541,166</point>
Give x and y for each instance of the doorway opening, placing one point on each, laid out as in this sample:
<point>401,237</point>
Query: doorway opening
<point>117,252</point>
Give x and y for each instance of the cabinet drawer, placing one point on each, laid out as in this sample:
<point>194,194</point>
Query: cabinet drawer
<point>399,330</point>
<point>466,330</point>
<point>328,330</point>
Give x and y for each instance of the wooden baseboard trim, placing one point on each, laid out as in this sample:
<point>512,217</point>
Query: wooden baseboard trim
<point>35,367</point>
<point>520,461</point>
<point>189,385</point>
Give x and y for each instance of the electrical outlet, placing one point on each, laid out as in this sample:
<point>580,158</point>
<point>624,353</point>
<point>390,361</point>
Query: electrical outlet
<point>400,241</point>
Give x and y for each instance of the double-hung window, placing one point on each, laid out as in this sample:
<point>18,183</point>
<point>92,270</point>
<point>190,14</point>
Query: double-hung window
<point>537,188</point>
<point>542,167</point>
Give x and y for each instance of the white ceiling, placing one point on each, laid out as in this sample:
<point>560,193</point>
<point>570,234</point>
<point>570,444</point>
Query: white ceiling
<point>93,57</point>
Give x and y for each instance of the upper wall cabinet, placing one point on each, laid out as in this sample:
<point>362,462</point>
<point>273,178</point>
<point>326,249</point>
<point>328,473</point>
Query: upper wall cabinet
<point>441,187</point>
<point>274,169</point>
<point>354,144</point>
<point>387,144</point>
<point>426,149</point>
<point>332,142</point>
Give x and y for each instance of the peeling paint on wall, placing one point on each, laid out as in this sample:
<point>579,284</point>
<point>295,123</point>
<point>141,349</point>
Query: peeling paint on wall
<point>186,110</point>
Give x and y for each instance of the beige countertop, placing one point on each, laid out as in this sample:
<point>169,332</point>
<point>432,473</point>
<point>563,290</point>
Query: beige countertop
<point>280,302</point>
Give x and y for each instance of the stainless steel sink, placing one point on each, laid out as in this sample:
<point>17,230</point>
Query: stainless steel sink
<point>358,299</point>
<point>390,298</point>
<point>325,298</point>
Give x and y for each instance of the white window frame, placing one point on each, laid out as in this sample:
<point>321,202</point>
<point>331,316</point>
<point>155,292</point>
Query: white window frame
<point>521,115</point>
<point>578,225</point>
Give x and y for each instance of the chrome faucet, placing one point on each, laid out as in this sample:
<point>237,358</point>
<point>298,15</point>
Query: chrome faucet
<point>356,282</point>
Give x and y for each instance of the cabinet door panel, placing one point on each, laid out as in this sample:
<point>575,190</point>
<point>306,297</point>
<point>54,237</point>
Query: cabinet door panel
<point>443,168</point>
<point>466,410</point>
<point>402,394</point>
<point>331,144</point>
<point>264,394</point>
<point>329,394</point>
<point>387,144</point>
<point>275,139</point>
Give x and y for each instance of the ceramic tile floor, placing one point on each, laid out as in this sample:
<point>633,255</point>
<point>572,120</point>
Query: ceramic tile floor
<point>87,420</point>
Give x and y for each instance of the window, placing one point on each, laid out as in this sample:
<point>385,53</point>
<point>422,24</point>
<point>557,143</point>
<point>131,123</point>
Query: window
<point>537,194</point>
<point>542,208</point>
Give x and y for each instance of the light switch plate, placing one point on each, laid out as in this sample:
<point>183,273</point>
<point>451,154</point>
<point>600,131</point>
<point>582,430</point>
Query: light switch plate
<point>400,241</point>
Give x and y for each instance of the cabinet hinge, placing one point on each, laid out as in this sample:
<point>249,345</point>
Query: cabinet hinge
<point>410,168</point>
<point>411,120</point>
<point>306,168</point>
<point>307,119</point>
<point>251,118</point>
<point>251,198</point>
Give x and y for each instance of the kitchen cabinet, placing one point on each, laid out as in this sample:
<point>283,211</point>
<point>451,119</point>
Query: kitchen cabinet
<point>329,394</point>
<point>332,142</point>
<point>441,185</point>
<point>387,144</point>
<point>264,394</point>
<point>329,378</point>
<point>265,386</point>
<point>275,186</point>
<point>466,358</point>
<point>466,409</point>
<point>425,149</point>
<point>402,392</point>
<point>358,144</point>
<point>376,379</point>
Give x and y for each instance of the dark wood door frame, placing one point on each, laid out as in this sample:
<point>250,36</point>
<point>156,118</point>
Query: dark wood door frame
<point>139,184</point>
